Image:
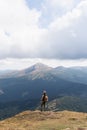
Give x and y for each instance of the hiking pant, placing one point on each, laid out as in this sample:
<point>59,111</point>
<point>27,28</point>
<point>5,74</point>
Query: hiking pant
<point>43,105</point>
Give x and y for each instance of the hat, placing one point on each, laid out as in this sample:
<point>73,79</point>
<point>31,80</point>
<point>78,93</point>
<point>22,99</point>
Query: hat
<point>44,91</point>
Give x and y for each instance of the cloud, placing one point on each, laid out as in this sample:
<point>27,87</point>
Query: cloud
<point>69,34</point>
<point>19,64</point>
<point>56,8</point>
<point>63,36</point>
<point>18,28</point>
<point>66,37</point>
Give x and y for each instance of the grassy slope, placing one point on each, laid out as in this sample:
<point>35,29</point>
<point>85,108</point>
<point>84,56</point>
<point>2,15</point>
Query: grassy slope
<point>36,120</point>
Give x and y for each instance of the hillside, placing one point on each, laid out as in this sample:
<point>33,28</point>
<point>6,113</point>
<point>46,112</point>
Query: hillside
<point>48,120</point>
<point>22,90</point>
<point>68,103</point>
<point>29,84</point>
<point>75,74</point>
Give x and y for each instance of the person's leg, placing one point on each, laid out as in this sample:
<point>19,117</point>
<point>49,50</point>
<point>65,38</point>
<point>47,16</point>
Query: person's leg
<point>41,105</point>
<point>44,106</point>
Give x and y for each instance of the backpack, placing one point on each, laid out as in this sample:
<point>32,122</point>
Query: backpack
<point>45,98</point>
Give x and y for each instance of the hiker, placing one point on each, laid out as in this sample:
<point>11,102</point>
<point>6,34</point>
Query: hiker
<point>44,99</point>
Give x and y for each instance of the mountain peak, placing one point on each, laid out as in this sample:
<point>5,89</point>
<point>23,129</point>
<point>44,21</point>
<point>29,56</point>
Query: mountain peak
<point>37,68</point>
<point>40,66</point>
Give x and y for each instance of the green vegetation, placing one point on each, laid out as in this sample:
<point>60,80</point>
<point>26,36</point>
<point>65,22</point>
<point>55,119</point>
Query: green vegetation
<point>69,103</point>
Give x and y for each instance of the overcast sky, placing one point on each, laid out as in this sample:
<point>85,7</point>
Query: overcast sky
<point>48,31</point>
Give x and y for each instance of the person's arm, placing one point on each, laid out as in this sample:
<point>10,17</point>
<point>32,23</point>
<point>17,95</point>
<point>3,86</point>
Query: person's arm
<point>47,98</point>
<point>42,98</point>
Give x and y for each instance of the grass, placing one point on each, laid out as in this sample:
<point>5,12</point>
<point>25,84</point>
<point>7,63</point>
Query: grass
<point>36,120</point>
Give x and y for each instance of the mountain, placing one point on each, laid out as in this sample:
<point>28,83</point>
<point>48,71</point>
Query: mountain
<point>37,70</point>
<point>48,120</point>
<point>4,72</point>
<point>29,83</point>
<point>22,90</point>
<point>74,74</point>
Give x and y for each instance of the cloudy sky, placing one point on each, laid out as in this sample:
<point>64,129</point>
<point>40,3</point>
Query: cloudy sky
<point>53,32</point>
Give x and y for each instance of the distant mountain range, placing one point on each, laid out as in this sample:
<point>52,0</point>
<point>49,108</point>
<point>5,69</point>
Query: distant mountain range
<point>23,89</point>
<point>30,82</point>
<point>39,70</point>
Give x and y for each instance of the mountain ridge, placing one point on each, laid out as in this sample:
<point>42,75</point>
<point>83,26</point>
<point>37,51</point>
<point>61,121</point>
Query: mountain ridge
<point>36,68</point>
<point>39,70</point>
